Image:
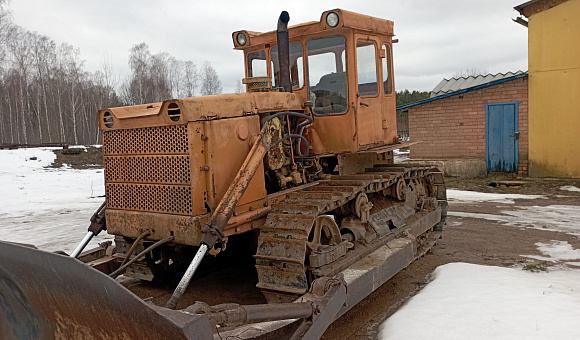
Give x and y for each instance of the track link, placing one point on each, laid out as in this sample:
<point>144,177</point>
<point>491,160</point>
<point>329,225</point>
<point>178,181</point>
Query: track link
<point>281,257</point>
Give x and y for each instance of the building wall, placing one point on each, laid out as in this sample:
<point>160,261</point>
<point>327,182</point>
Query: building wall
<point>554,72</point>
<point>454,127</point>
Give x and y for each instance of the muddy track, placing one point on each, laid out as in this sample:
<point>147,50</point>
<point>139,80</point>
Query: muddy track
<point>286,260</point>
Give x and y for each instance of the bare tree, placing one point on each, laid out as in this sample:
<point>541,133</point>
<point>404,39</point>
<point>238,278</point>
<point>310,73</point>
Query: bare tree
<point>20,51</point>
<point>210,81</point>
<point>472,72</point>
<point>159,83</point>
<point>6,30</point>
<point>47,96</point>
<point>239,87</point>
<point>43,50</point>
<point>110,79</point>
<point>139,56</point>
<point>190,79</point>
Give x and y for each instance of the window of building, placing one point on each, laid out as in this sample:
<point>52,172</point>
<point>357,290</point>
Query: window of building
<point>366,62</point>
<point>326,75</point>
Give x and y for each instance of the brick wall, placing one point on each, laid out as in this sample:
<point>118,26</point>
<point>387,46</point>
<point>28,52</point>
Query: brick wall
<point>454,127</point>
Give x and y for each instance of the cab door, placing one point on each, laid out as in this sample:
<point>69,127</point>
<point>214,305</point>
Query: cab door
<point>389,113</point>
<point>369,101</point>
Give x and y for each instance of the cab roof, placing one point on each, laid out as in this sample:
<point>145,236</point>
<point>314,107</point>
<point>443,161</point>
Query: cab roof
<point>347,19</point>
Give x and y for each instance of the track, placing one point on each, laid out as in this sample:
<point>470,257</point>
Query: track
<point>372,208</point>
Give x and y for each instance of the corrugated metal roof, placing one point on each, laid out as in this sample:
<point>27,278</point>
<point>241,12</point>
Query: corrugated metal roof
<point>514,76</point>
<point>455,84</point>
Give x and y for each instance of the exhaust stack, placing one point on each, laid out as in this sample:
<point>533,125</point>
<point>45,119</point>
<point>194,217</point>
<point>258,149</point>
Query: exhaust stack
<point>284,51</point>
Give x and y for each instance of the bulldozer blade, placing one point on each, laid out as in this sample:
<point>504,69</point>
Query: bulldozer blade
<point>50,296</point>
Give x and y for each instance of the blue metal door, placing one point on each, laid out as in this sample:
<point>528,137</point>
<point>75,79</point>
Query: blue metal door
<point>501,137</point>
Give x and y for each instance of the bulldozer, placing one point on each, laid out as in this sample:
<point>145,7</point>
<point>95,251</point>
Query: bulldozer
<point>298,171</point>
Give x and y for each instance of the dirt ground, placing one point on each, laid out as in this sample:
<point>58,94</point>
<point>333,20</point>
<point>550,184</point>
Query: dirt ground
<point>89,157</point>
<point>467,240</point>
<point>464,239</point>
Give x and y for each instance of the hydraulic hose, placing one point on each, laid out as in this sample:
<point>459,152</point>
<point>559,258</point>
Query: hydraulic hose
<point>134,246</point>
<point>300,127</point>
<point>121,269</point>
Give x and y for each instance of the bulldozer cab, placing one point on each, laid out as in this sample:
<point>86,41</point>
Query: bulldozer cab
<point>342,64</point>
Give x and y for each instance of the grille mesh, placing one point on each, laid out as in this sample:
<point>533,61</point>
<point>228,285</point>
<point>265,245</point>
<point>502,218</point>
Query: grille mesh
<point>149,140</point>
<point>154,198</point>
<point>148,169</point>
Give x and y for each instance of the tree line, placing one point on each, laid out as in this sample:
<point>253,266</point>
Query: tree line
<point>46,95</point>
<point>405,97</point>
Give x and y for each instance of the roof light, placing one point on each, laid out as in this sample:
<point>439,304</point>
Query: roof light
<point>241,39</point>
<point>332,19</point>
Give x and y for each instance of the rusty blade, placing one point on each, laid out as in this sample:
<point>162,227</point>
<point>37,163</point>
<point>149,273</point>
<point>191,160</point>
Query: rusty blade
<point>49,296</point>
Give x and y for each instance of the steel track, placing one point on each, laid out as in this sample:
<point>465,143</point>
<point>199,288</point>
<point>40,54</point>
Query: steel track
<point>282,244</point>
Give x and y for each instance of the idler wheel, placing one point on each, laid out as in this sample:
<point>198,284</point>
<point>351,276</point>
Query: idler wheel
<point>401,190</point>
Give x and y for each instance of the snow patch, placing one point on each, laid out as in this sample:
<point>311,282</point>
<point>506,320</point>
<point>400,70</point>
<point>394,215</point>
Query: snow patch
<point>467,301</point>
<point>556,251</point>
<point>569,188</point>
<point>462,196</point>
<point>47,207</point>
<point>399,152</point>
<point>561,218</point>
<point>453,223</point>
<point>19,160</point>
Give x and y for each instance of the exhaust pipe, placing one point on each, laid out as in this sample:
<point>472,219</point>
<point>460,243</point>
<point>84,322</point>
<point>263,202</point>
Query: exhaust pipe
<point>284,51</point>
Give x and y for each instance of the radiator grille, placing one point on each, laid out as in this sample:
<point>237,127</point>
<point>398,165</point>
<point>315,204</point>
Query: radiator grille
<point>148,169</point>
<point>146,197</point>
<point>149,140</point>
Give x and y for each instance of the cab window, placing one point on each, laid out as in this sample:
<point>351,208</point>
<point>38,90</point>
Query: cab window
<point>387,78</point>
<point>296,65</point>
<point>366,64</point>
<point>257,64</point>
<point>327,76</point>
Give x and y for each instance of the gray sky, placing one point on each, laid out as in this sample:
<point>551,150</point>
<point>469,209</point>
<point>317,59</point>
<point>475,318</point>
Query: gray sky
<point>437,39</point>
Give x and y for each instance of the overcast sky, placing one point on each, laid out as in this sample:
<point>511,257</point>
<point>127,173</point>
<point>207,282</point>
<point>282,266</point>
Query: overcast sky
<point>437,39</point>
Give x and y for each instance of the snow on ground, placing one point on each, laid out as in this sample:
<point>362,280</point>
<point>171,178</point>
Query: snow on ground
<point>562,218</point>
<point>556,251</point>
<point>569,188</point>
<point>51,209</point>
<point>467,301</point>
<point>400,156</point>
<point>462,196</point>
<point>47,207</point>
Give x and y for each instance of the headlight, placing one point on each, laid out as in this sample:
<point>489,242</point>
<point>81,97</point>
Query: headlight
<point>241,38</point>
<point>332,19</point>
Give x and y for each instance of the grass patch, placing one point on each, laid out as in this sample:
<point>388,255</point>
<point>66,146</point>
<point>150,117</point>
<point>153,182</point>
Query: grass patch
<point>535,268</point>
<point>72,151</point>
<point>90,157</point>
